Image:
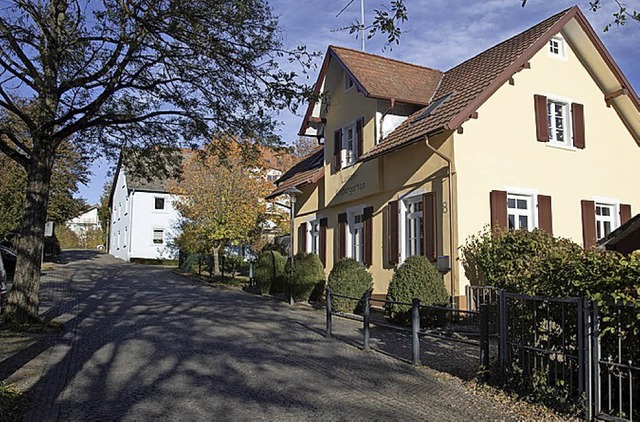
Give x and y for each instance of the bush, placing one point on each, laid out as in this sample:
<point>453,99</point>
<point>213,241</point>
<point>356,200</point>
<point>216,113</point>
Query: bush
<point>308,273</point>
<point>349,278</point>
<point>416,277</point>
<point>268,271</point>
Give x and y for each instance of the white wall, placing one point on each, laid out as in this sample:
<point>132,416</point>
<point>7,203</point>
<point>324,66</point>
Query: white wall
<point>84,221</point>
<point>120,219</point>
<point>144,219</point>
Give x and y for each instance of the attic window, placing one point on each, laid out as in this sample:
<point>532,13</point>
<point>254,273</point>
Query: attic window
<point>431,108</point>
<point>348,82</point>
<point>557,47</point>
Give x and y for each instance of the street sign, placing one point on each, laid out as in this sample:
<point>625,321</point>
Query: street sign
<point>48,229</point>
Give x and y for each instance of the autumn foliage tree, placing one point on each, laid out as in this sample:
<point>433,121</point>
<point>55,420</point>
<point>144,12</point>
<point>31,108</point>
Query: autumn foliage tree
<point>220,199</point>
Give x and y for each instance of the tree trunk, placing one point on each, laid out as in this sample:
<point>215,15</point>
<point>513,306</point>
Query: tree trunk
<point>23,297</point>
<point>216,260</point>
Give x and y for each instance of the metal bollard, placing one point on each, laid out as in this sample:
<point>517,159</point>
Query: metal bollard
<point>415,330</point>
<point>329,312</point>
<point>367,314</point>
<point>484,343</point>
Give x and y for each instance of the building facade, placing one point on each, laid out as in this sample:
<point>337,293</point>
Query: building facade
<point>539,131</point>
<point>143,218</point>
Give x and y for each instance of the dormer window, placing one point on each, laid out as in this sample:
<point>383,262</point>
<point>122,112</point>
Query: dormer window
<point>557,47</point>
<point>348,82</point>
<point>348,144</point>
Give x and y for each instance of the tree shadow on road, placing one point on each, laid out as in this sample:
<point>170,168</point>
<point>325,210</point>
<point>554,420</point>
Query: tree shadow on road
<point>143,343</point>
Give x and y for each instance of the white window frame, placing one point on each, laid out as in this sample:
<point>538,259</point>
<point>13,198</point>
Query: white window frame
<point>403,202</point>
<point>558,43</point>
<point>348,155</point>
<point>313,236</point>
<point>531,196</point>
<point>614,219</point>
<point>352,226</point>
<point>551,121</point>
<point>153,236</point>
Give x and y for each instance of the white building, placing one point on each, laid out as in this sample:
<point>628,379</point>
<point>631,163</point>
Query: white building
<point>143,218</point>
<point>85,221</point>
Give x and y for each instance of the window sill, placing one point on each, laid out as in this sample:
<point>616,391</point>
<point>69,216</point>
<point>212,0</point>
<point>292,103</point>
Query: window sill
<point>551,144</point>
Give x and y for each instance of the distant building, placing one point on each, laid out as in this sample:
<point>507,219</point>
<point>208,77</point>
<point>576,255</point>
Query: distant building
<point>84,222</point>
<point>143,218</point>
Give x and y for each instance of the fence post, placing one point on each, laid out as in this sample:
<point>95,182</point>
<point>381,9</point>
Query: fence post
<point>329,312</point>
<point>367,312</point>
<point>595,359</point>
<point>502,329</point>
<point>484,342</point>
<point>415,330</point>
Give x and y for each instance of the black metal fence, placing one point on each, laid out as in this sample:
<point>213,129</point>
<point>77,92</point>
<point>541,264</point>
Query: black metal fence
<point>477,324</point>
<point>572,351</point>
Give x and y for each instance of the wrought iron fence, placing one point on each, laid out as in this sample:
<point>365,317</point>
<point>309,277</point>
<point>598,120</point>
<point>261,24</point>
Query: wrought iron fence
<point>440,322</point>
<point>478,295</point>
<point>615,354</point>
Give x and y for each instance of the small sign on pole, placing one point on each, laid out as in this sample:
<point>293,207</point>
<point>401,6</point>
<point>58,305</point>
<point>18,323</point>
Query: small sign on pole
<point>48,229</point>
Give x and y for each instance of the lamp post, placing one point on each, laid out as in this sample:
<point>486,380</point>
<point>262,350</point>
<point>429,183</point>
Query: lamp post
<point>292,193</point>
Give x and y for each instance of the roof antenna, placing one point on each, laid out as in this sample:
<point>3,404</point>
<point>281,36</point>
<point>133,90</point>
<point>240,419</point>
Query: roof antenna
<point>361,25</point>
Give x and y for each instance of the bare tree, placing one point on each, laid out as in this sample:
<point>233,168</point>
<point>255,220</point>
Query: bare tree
<point>148,73</point>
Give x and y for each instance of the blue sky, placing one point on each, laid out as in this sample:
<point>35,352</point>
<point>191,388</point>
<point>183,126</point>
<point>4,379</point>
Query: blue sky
<point>438,34</point>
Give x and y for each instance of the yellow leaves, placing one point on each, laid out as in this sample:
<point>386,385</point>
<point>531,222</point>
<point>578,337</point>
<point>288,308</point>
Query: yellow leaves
<point>221,196</point>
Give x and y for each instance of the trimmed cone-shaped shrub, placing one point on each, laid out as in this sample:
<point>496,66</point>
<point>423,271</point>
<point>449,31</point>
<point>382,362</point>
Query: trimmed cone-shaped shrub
<point>416,277</point>
<point>269,270</point>
<point>349,278</point>
<point>308,273</point>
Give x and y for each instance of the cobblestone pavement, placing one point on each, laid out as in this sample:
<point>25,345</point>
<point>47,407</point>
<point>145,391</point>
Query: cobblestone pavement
<point>142,343</point>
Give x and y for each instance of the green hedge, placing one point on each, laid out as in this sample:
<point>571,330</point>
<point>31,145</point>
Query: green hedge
<point>308,274</point>
<point>416,277</point>
<point>349,278</point>
<point>269,271</point>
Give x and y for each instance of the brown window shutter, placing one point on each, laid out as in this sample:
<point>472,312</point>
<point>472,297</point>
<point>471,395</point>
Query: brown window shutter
<point>429,238</point>
<point>337,147</point>
<point>542,118</point>
<point>368,236</point>
<point>322,241</point>
<point>498,200</point>
<point>544,214</point>
<point>359,139</point>
<point>577,119</point>
<point>342,235</point>
<point>625,213</point>
<point>392,236</point>
<point>588,223</point>
<point>302,237</point>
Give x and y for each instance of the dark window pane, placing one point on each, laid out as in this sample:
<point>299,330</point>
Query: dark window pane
<point>512,221</point>
<point>511,203</point>
<point>159,203</point>
<point>522,204</point>
<point>524,222</point>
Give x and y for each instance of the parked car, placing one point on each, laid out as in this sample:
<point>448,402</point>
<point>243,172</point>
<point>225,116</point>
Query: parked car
<point>9,259</point>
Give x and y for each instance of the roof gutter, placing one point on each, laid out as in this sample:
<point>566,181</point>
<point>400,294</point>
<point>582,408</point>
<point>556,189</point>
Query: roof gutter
<point>452,247</point>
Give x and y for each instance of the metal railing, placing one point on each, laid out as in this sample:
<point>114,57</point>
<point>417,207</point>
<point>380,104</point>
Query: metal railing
<point>478,295</point>
<point>418,313</point>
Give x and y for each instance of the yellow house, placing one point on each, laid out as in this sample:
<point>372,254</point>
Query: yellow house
<point>541,130</point>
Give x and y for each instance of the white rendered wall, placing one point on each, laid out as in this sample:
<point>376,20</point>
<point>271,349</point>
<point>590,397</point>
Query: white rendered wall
<point>84,221</point>
<point>144,219</point>
<point>120,219</point>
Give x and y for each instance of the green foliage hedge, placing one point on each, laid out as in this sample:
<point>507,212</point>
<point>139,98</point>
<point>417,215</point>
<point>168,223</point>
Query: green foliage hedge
<point>349,278</point>
<point>308,273</point>
<point>268,272</point>
<point>416,277</point>
<point>536,263</point>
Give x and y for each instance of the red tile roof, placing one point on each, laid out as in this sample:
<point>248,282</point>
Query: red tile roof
<point>384,78</point>
<point>307,171</point>
<point>470,83</point>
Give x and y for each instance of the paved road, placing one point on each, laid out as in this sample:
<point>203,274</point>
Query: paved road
<point>145,344</point>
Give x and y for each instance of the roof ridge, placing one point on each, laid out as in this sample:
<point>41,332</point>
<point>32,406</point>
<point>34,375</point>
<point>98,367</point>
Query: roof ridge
<point>553,17</point>
<point>387,58</point>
